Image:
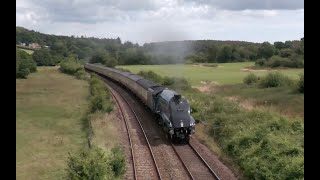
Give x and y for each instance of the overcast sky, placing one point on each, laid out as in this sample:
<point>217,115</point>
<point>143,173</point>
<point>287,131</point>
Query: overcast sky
<point>143,21</point>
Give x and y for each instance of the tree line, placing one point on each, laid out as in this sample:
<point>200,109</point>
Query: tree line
<point>113,52</point>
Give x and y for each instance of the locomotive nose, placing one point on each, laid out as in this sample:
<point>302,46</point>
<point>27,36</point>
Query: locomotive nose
<point>179,122</point>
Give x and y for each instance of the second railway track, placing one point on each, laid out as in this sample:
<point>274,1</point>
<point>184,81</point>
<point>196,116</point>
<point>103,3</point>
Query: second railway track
<point>144,164</point>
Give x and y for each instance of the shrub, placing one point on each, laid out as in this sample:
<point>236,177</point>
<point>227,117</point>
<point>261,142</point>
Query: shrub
<point>81,74</point>
<point>43,57</point>
<point>260,62</point>
<point>100,99</point>
<point>274,79</point>
<point>292,61</point>
<point>24,64</point>
<point>22,73</point>
<point>71,66</point>
<point>277,61</point>
<point>118,162</point>
<point>250,79</point>
<point>89,164</point>
<point>99,103</point>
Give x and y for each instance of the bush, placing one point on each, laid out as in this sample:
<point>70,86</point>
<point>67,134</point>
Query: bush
<point>43,57</point>
<point>301,84</point>
<point>250,79</point>
<point>22,73</point>
<point>100,99</point>
<point>118,162</point>
<point>81,74</point>
<point>90,164</point>
<point>260,62</point>
<point>71,66</point>
<point>274,79</point>
<point>292,61</point>
<point>277,61</point>
<point>24,64</point>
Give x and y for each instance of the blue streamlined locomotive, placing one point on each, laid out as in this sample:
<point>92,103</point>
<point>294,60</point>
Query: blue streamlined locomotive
<point>170,109</point>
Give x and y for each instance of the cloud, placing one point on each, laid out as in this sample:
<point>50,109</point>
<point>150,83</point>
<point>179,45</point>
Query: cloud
<point>162,20</point>
<point>253,4</point>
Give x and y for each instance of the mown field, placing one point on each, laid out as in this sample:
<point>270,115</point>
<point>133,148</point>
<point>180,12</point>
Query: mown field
<point>226,73</point>
<point>49,109</point>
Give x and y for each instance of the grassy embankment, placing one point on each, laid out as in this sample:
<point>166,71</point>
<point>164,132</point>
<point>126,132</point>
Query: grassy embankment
<point>265,141</point>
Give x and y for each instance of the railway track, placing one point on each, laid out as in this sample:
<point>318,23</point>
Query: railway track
<point>195,167</point>
<point>143,161</point>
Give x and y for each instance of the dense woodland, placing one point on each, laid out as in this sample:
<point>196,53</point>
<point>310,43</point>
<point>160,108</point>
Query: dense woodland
<point>113,52</point>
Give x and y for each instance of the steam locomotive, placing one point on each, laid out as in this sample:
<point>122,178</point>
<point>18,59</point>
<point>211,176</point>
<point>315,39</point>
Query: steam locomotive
<point>170,109</point>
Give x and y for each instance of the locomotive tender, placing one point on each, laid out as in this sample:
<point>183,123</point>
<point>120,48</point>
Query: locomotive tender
<point>170,109</point>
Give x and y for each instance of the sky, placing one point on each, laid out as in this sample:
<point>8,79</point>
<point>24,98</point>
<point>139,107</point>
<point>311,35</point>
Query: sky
<point>144,21</point>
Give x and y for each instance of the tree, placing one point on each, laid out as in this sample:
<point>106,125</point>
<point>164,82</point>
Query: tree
<point>43,58</point>
<point>285,52</point>
<point>266,50</point>
<point>24,64</point>
<point>104,58</point>
<point>280,45</point>
<point>225,54</point>
<point>212,53</point>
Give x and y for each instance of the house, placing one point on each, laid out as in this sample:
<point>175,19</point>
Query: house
<point>35,46</point>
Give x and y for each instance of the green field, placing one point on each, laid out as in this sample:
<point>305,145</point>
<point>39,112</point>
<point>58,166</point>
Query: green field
<point>49,108</point>
<point>227,73</point>
<point>27,50</point>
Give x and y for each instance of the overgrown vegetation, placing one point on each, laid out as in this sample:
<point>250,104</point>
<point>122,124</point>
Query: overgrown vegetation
<point>100,99</point>
<point>24,64</point>
<point>45,57</point>
<point>72,66</point>
<point>262,144</point>
<point>94,163</point>
<point>271,80</point>
<point>250,79</point>
<point>275,79</point>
